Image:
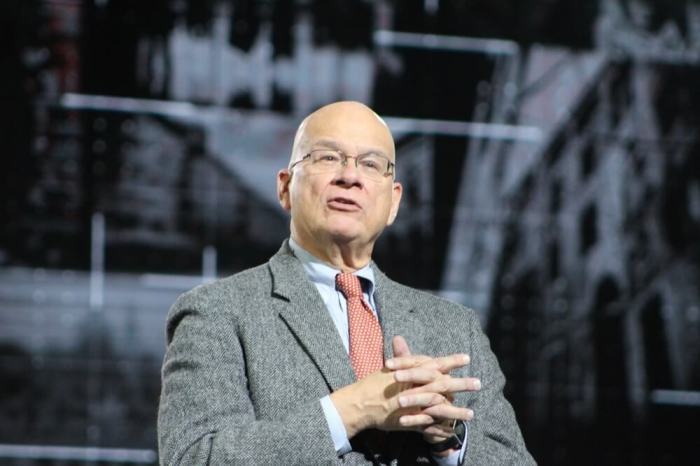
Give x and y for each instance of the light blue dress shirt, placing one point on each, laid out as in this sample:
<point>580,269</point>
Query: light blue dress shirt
<point>322,275</point>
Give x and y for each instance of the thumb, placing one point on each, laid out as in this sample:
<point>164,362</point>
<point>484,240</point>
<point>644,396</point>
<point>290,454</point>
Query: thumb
<point>400,347</point>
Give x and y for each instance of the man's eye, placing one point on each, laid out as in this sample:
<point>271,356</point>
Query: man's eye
<point>372,164</point>
<point>328,157</point>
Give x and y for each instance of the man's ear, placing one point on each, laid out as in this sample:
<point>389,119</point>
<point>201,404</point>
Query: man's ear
<point>283,179</point>
<point>396,192</point>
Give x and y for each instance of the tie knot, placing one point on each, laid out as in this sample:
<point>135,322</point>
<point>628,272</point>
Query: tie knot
<point>349,285</point>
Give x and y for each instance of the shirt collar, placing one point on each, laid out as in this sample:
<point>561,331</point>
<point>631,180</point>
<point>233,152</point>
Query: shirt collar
<point>321,272</point>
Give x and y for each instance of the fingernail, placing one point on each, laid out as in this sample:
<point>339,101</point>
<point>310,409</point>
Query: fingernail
<point>400,376</point>
<point>403,401</point>
<point>403,421</point>
<point>390,364</point>
<point>470,415</point>
<point>477,384</point>
<point>466,359</point>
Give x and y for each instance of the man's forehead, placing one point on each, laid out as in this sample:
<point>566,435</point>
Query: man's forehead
<point>330,143</point>
<point>345,123</point>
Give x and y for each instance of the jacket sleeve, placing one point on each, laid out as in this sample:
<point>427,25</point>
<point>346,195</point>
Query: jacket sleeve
<point>494,435</point>
<point>206,415</point>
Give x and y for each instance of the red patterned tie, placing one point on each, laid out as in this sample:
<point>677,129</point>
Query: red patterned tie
<point>366,342</point>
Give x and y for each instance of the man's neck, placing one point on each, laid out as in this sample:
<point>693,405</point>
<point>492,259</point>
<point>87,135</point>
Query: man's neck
<point>344,257</point>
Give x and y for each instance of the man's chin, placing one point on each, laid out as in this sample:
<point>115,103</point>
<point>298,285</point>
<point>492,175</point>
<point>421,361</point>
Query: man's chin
<point>350,231</point>
<point>347,232</point>
<point>344,236</point>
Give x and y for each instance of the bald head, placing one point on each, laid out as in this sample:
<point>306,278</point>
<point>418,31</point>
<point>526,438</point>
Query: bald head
<point>348,120</point>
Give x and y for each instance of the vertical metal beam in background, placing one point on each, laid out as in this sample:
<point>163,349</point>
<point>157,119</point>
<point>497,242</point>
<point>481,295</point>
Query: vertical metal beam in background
<point>97,261</point>
<point>97,278</point>
<point>209,258</point>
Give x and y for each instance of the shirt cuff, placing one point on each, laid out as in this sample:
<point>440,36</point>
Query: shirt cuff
<point>450,460</point>
<point>336,426</point>
<point>456,457</point>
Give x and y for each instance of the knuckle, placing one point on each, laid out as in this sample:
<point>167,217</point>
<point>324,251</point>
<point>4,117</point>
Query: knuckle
<point>431,365</point>
<point>419,360</point>
<point>443,383</point>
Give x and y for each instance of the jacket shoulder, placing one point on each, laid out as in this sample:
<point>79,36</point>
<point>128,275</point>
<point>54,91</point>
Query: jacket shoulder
<point>242,285</point>
<point>437,306</point>
<point>420,295</point>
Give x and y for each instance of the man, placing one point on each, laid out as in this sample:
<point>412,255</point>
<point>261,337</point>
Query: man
<point>291,362</point>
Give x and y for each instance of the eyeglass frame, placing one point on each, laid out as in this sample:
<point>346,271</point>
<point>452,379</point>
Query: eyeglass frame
<point>390,169</point>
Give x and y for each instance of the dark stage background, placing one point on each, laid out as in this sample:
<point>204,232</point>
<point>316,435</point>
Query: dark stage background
<point>550,155</point>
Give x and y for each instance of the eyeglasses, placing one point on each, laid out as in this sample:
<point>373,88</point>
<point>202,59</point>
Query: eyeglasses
<point>371,165</point>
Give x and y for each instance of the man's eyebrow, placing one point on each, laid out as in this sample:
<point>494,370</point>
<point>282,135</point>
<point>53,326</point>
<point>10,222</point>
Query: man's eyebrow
<point>331,144</point>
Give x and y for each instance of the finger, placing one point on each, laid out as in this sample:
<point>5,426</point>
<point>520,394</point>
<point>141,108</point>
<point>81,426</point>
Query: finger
<point>415,420</point>
<point>444,384</point>
<point>453,361</point>
<point>406,361</point>
<point>422,400</point>
<point>400,346</point>
<point>444,363</point>
<point>450,412</point>
<point>438,430</point>
<point>418,375</point>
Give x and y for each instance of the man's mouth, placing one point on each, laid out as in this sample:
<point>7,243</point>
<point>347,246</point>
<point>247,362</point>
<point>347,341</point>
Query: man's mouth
<point>343,203</point>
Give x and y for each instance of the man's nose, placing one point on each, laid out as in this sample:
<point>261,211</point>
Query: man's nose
<point>349,172</point>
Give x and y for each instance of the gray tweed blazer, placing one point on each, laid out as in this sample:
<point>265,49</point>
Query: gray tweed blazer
<point>249,356</point>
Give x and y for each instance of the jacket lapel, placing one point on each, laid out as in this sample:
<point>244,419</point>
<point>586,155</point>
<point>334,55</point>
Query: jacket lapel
<point>397,315</point>
<point>307,317</point>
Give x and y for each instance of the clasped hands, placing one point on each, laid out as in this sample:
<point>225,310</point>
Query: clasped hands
<point>412,392</point>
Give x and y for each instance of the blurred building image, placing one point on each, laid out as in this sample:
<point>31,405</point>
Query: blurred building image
<point>592,298</point>
<point>550,158</point>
